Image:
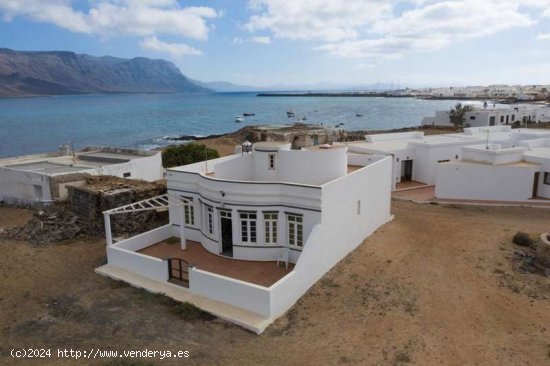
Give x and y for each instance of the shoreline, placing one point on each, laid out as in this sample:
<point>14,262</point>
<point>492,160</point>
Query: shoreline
<point>387,95</point>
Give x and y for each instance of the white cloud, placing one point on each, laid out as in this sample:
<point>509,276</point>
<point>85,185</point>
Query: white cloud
<point>325,20</point>
<point>543,36</point>
<point>173,49</point>
<point>114,17</point>
<point>261,40</point>
<point>374,30</point>
<point>258,39</point>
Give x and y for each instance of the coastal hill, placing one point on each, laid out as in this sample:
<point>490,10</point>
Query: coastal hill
<point>61,72</point>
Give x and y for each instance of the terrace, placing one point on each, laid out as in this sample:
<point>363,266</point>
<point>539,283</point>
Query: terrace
<point>259,273</point>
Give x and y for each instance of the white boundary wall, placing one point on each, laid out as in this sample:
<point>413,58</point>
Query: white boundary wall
<point>231,291</point>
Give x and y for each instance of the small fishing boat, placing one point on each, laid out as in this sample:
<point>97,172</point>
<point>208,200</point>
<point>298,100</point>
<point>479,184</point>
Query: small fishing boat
<point>239,119</point>
<point>290,113</point>
<point>248,114</point>
<point>358,115</point>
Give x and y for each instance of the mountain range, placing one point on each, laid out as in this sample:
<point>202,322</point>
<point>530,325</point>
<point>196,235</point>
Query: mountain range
<point>61,72</point>
<point>36,73</point>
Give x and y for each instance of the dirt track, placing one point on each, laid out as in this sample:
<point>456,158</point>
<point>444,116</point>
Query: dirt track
<point>435,286</point>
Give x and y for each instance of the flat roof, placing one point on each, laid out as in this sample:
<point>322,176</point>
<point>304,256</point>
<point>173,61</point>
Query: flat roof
<point>47,167</point>
<point>539,152</point>
<point>517,164</point>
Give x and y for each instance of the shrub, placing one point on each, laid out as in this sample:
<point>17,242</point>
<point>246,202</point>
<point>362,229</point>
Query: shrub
<point>177,155</point>
<point>522,239</point>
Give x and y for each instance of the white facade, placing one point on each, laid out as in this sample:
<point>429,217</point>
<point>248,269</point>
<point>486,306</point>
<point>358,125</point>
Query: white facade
<point>497,173</point>
<point>490,116</point>
<point>319,209</point>
<point>43,178</point>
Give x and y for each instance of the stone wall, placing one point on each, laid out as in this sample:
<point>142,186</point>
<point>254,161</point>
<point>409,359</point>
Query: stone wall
<point>102,193</point>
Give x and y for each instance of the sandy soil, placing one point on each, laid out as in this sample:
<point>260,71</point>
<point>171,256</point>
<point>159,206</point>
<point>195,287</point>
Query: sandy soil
<point>435,286</point>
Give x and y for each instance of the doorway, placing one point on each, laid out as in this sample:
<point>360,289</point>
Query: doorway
<point>226,224</point>
<point>406,170</point>
<point>536,184</point>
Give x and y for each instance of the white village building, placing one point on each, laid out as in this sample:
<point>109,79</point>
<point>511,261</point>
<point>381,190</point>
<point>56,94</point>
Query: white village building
<point>481,163</point>
<point>494,116</point>
<point>504,171</point>
<point>236,216</point>
<point>43,177</point>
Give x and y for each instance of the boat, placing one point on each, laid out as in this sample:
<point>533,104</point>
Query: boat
<point>239,119</point>
<point>358,115</point>
<point>248,114</point>
<point>303,118</point>
<point>290,113</point>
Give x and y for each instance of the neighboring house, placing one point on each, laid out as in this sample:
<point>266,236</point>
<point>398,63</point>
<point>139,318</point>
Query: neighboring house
<point>417,157</point>
<point>44,177</point>
<point>481,117</point>
<point>497,172</point>
<point>239,214</point>
<point>414,155</point>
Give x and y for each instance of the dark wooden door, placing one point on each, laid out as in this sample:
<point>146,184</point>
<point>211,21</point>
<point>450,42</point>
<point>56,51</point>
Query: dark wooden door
<point>406,170</point>
<point>227,236</point>
<point>178,271</point>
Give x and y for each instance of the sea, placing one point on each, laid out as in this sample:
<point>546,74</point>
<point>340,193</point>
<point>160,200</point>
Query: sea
<point>148,121</point>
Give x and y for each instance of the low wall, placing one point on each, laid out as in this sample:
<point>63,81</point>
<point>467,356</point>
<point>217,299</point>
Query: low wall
<point>147,238</point>
<point>143,265</point>
<point>234,292</point>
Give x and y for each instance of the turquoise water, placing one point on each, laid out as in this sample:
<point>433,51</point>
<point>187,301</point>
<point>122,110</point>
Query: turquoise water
<point>30,125</point>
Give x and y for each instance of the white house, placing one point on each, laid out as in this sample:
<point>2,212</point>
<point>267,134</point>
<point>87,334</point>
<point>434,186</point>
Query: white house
<point>491,116</point>
<point>415,155</point>
<point>44,177</point>
<point>238,215</point>
<point>497,172</point>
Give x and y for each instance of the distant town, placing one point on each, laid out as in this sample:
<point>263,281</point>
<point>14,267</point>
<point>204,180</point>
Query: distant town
<point>505,93</point>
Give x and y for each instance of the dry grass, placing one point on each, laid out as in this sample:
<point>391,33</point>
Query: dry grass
<point>435,286</point>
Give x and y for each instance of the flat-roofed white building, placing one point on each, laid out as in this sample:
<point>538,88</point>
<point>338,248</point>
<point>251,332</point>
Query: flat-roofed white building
<point>44,177</point>
<point>493,116</point>
<point>516,170</point>
<point>236,216</point>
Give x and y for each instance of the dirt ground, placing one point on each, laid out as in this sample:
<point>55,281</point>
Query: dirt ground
<point>435,286</point>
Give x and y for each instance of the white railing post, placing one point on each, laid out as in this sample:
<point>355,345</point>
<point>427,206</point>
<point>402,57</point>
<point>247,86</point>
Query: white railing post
<point>108,235</point>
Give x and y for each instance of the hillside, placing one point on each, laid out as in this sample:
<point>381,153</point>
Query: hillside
<point>60,72</point>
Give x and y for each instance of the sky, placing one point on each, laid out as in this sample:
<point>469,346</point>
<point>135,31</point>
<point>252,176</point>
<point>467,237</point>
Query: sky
<point>415,43</point>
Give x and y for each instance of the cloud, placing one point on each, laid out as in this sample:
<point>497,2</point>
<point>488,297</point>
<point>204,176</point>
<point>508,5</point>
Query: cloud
<point>258,39</point>
<point>325,20</point>
<point>115,17</point>
<point>173,49</point>
<point>378,30</point>
<point>543,37</point>
<point>261,40</point>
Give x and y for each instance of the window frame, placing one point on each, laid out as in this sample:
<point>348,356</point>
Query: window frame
<point>248,224</point>
<point>271,161</point>
<point>546,178</point>
<point>271,227</point>
<point>295,230</point>
<point>209,219</point>
<point>188,210</point>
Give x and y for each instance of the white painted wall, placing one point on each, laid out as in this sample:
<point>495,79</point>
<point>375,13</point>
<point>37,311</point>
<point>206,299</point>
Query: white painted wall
<point>341,231</point>
<point>485,182</point>
<point>147,168</point>
<point>312,167</point>
<point>230,291</point>
<point>17,186</point>
<point>143,265</point>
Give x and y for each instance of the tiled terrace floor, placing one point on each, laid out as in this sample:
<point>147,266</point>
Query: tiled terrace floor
<point>259,273</point>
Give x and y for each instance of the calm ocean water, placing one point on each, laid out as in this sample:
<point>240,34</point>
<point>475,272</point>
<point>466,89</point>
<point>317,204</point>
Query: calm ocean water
<point>31,125</point>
